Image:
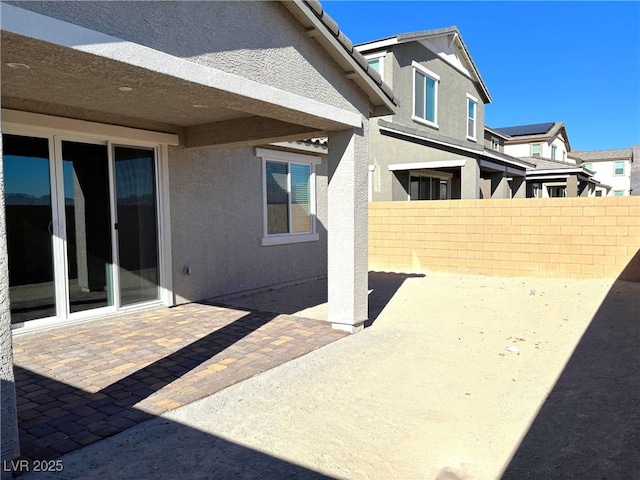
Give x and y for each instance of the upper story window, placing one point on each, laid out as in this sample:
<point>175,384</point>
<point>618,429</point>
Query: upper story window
<point>289,194</point>
<point>425,95</point>
<point>618,193</point>
<point>495,144</point>
<point>618,168</point>
<point>588,166</point>
<point>553,152</point>
<point>536,148</point>
<point>472,108</point>
<point>376,61</point>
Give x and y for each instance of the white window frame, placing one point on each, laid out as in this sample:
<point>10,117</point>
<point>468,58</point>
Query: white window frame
<point>288,157</point>
<point>436,78</point>
<point>618,193</point>
<point>539,153</point>
<point>495,144</point>
<point>58,129</point>
<point>554,149</point>
<point>615,174</point>
<point>474,100</point>
<point>378,56</point>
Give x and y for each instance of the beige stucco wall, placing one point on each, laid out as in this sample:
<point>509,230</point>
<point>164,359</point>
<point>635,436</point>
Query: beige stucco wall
<point>261,41</point>
<point>217,225</point>
<point>452,90</point>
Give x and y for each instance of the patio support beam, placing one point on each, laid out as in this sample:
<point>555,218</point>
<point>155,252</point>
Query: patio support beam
<point>244,132</point>
<point>499,185</point>
<point>347,230</point>
<point>572,186</point>
<point>518,187</point>
<point>10,447</point>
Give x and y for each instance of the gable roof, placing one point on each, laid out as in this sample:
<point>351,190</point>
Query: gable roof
<point>325,30</point>
<point>614,154</point>
<point>447,43</point>
<point>535,132</point>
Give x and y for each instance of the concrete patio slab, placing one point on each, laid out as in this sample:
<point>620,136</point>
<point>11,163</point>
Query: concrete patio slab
<point>460,377</point>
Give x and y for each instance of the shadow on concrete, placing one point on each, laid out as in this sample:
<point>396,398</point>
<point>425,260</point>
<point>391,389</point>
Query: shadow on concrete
<point>159,449</point>
<point>55,418</point>
<point>294,299</point>
<point>383,286</point>
<point>589,425</point>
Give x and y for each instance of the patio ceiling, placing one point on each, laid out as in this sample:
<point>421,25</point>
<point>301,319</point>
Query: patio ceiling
<point>204,105</point>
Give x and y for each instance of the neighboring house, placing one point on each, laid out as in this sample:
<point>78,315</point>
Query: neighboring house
<point>546,145</point>
<point>434,146</point>
<point>610,167</point>
<point>635,171</point>
<point>541,140</point>
<point>138,165</point>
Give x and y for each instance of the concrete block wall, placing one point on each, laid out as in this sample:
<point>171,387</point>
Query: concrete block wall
<point>578,238</point>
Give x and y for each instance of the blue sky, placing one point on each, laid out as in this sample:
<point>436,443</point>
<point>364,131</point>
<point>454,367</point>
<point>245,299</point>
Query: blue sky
<point>576,62</point>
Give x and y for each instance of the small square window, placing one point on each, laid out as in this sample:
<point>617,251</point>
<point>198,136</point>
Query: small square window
<point>535,149</point>
<point>618,168</point>
<point>588,166</point>
<point>495,144</point>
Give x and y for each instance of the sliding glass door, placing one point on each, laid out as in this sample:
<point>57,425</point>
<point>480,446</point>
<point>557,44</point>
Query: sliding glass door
<point>82,227</point>
<point>29,220</point>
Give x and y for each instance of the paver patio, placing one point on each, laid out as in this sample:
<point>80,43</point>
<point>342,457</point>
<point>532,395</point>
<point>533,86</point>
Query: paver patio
<point>79,384</point>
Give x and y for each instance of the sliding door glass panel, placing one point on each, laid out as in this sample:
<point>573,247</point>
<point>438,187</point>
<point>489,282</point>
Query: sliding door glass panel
<point>88,218</point>
<point>29,227</point>
<point>135,188</point>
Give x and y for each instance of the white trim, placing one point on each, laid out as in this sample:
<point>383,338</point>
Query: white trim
<point>288,157</point>
<point>436,78</point>
<point>377,44</point>
<point>289,238</point>
<point>49,124</point>
<point>559,171</point>
<point>475,117</point>
<point>44,127</point>
<point>279,155</point>
<point>164,215</point>
<point>497,142</point>
<point>380,56</point>
<point>432,165</point>
<point>51,30</point>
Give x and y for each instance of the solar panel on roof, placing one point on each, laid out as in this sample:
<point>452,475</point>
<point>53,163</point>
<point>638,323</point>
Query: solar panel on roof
<point>534,129</point>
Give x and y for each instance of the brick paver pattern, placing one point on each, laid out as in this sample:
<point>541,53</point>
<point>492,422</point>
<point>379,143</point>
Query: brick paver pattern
<point>81,383</point>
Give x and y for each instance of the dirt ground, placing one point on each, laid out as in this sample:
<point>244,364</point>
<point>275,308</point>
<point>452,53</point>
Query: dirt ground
<point>458,377</point>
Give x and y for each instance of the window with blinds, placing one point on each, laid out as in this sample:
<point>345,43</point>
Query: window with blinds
<point>288,198</point>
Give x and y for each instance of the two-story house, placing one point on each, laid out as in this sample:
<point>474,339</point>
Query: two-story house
<point>434,146</point>
<point>610,167</point>
<point>556,172</point>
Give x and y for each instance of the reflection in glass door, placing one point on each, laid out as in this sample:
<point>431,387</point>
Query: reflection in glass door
<point>74,212</point>
<point>29,220</point>
<point>137,224</point>
<point>88,225</point>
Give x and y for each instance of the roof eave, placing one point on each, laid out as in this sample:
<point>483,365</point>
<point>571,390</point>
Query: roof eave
<point>382,102</point>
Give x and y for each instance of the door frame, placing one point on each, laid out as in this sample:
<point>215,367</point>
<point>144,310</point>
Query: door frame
<point>58,129</point>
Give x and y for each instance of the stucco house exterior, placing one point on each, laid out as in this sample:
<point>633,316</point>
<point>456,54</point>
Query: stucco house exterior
<point>434,146</point>
<point>547,147</point>
<point>610,167</point>
<point>165,164</point>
